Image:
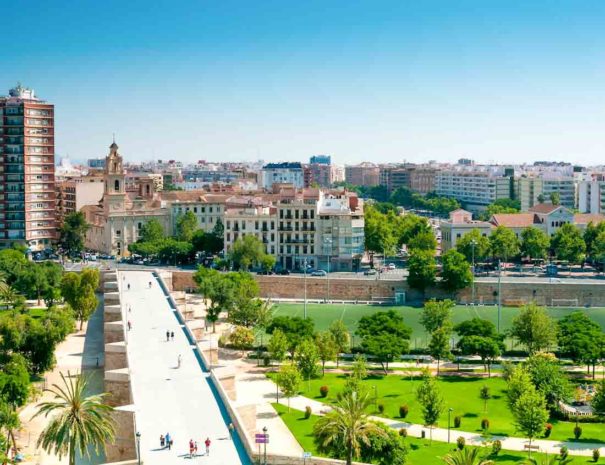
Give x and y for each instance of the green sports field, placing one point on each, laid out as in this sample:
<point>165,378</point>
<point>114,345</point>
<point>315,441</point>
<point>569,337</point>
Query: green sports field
<point>324,314</point>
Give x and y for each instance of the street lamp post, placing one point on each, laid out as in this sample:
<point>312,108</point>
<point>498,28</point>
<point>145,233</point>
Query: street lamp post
<point>449,414</point>
<point>138,435</point>
<point>265,433</point>
<point>473,244</point>
<point>499,293</point>
<point>305,271</point>
<point>375,397</point>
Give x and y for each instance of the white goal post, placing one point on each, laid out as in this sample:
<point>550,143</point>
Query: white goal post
<point>564,303</point>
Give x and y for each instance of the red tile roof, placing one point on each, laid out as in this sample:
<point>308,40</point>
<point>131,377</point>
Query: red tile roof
<point>544,208</point>
<point>585,218</point>
<point>513,220</point>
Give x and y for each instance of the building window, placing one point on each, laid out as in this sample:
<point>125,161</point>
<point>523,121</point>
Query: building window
<point>116,186</point>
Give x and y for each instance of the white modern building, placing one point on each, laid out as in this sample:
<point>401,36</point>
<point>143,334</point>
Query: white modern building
<point>282,173</point>
<point>474,188</point>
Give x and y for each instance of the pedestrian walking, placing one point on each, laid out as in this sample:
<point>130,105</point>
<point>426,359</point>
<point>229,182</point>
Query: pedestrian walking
<point>195,449</point>
<point>162,441</point>
<point>231,428</point>
<point>167,336</point>
<point>207,443</point>
<point>168,441</point>
<point>178,362</point>
<point>129,325</point>
<point>191,448</point>
<point>128,286</point>
<point>149,284</point>
<point>129,309</point>
<point>172,335</point>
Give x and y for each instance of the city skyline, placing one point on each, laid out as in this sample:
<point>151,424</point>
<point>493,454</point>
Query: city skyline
<point>370,82</point>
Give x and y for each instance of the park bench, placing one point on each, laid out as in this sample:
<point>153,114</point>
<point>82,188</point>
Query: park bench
<point>532,447</point>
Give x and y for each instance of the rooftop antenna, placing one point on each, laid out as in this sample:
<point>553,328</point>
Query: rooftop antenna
<point>114,137</point>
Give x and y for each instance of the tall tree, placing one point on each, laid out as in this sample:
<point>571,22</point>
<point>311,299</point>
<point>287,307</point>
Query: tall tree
<point>474,243</point>
<point>530,414</point>
<point>73,232</point>
<point>581,339</point>
<point>439,345</point>
<point>288,379</point>
<point>152,231</point>
<point>77,421</point>
<point>422,269</point>
<point>591,233</point>
<point>534,243</point>
<point>278,346</point>
<point>246,252</point>
<point>568,244</point>
<point>431,400</point>
<point>548,378</point>
<point>436,314</point>
<point>424,240</point>
<point>327,348</point>
<point>555,198</point>
<point>384,335</point>
<point>346,427</point>
<point>533,328</point>
<point>78,290</point>
<point>186,224</point>
<point>218,290</point>
<point>341,336</point>
<point>456,273</point>
<point>504,243</point>
<point>296,330</point>
<point>307,358</point>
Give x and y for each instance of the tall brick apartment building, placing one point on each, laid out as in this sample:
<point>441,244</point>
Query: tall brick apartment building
<point>27,170</point>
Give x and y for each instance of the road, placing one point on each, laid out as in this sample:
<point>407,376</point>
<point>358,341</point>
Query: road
<point>169,399</point>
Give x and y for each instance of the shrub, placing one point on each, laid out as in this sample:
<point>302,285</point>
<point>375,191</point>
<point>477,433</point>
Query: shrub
<point>460,442</point>
<point>577,432</point>
<point>457,421</point>
<point>307,412</point>
<point>596,455</point>
<point>563,453</point>
<point>547,430</point>
<point>403,432</point>
<point>403,411</point>
<point>485,424</point>
<point>496,447</point>
<point>323,391</point>
<point>380,408</point>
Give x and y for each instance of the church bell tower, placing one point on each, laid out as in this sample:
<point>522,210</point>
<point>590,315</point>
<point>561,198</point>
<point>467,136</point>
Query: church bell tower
<point>115,189</point>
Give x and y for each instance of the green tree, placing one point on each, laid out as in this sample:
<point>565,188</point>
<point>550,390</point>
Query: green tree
<point>431,400</point>
<point>78,290</point>
<point>591,233</point>
<point>530,414</point>
<point>533,328</point>
<point>246,252</point>
<point>384,335</point>
<point>186,225</point>
<point>296,330</point>
<point>555,198</point>
<point>439,345</point>
<point>15,385</point>
<point>548,378</point>
<point>288,379</point>
<point>307,358</point>
<point>424,240</point>
<point>489,349</point>
<point>245,308</point>
<point>387,448</point>
<point>456,273</point>
<point>218,290</point>
<point>327,348</point>
<point>436,314</point>
<point>466,456</point>
<point>568,244</point>
<point>485,395</point>
<point>241,338</point>
<point>519,381</point>
<point>278,346</point>
<point>73,232</point>
<point>481,247</point>
<point>9,425</point>
<point>598,400</point>
<point>412,226</point>
<point>173,251</point>
<point>341,336</point>
<point>504,243</point>
<point>77,422</point>
<point>581,339</point>
<point>379,232</point>
<point>152,231</point>
<point>534,243</point>
<point>422,269</point>
<point>359,372</point>
<point>346,427</point>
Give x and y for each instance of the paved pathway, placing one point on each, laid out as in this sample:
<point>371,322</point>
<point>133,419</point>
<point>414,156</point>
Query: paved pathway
<point>167,398</point>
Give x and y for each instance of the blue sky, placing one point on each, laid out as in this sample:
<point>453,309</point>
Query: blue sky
<point>383,81</point>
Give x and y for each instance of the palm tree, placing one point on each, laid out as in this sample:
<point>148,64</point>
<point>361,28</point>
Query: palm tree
<point>466,456</point>
<point>78,421</point>
<point>552,460</point>
<point>9,420</point>
<point>347,425</point>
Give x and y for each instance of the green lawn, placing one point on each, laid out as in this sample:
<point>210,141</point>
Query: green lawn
<point>461,394</point>
<point>324,314</point>
<point>420,452</point>
<point>34,312</point>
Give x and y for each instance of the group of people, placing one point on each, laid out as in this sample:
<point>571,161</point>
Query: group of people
<point>166,442</point>
<point>169,336</point>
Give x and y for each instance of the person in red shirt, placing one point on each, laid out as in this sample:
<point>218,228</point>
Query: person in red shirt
<point>207,443</point>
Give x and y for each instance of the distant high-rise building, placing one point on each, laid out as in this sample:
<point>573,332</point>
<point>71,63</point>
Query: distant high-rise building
<point>364,174</point>
<point>27,148</point>
<point>321,160</point>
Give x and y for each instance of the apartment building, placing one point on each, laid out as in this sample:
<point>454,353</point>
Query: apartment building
<point>317,174</point>
<point>282,173</point>
<point>422,179</point>
<point>209,209</point>
<point>591,195</point>
<point>257,220</point>
<point>364,174</point>
<point>476,189</point>
<point>532,190</point>
<point>74,193</point>
<point>27,178</point>
<point>460,223</point>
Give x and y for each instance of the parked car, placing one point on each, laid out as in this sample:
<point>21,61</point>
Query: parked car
<point>284,272</point>
<point>391,266</point>
<point>319,273</point>
<point>370,272</point>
